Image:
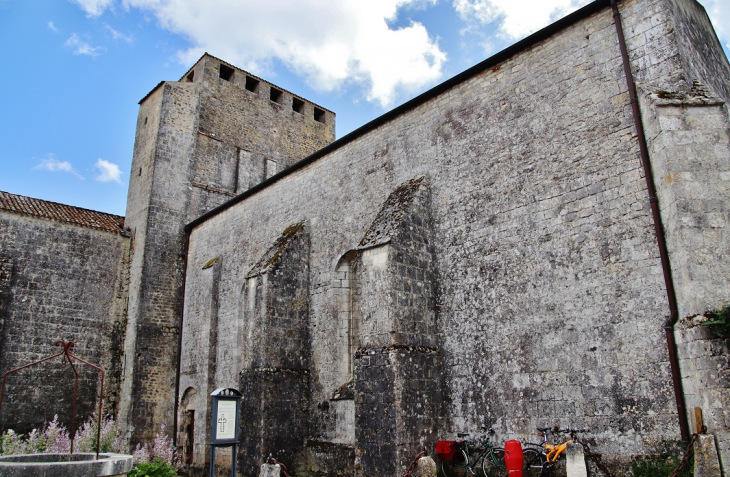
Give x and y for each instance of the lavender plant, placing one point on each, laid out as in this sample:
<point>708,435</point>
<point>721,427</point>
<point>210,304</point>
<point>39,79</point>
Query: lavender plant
<point>154,460</point>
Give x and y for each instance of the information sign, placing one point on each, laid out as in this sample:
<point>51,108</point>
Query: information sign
<point>226,419</point>
<point>224,424</point>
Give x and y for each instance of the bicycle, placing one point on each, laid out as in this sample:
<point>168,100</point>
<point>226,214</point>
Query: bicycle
<point>549,453</point>
<point>464,459</point>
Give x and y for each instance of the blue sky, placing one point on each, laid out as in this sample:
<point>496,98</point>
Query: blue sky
<point>76,69</point>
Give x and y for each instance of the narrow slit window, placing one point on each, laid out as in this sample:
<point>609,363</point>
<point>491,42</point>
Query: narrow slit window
<point>276,95</point>
<point>252,84</point>
<point>190,77</point>
<point>226,72</point>
<point>297,105</point>
<point>319,115</point>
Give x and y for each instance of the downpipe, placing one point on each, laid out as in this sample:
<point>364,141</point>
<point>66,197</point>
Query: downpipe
<point>658,229</point>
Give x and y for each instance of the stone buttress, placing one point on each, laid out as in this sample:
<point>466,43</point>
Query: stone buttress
<point>276,368</point>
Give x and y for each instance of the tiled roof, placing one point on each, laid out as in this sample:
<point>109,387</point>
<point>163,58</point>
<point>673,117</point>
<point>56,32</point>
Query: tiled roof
<point>62,213</point>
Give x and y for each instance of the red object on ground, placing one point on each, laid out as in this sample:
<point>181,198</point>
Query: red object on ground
<point>513,458</point>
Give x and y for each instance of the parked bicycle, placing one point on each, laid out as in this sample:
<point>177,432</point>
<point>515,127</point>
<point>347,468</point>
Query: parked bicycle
<point>480,457</point>
<point>549,453</point>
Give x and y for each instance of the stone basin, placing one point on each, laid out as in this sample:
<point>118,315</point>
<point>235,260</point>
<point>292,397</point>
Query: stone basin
<point>64,465</point>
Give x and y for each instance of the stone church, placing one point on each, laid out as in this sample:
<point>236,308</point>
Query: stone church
<point>533,242</point>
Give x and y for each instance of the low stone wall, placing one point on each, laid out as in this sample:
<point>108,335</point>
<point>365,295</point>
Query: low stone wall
<point>62,465</point>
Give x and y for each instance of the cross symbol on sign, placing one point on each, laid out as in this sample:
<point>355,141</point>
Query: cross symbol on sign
<point>222,421</point>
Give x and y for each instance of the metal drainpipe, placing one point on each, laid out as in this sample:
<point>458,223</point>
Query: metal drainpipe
<point>658,228</point>
<point>180,337</point>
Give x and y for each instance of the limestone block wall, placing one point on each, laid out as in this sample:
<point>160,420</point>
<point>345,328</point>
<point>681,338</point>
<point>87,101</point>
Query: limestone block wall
<point>705,365</point>
<point>550,303</point>
<point>690,147</point>
<point>276,366</point>
<point>59,282</point>
<point>254,122</point>
<point>398,391</point>
<point>700,51</point>
<point>157,207</point>
<point>6,272</point>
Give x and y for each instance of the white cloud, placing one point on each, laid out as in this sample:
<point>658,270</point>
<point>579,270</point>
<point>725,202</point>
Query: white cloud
<point>94,8</point>
<point>326,42</point>
<point>80,47</point>
<point>108,171</point>
<point>50,163</point>
<point>516,18</point>
<point>118,35</point>
<point>52,27</point>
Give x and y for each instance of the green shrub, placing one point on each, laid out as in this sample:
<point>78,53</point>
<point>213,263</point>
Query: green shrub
<point>156,468</point>
<point>719,322</point>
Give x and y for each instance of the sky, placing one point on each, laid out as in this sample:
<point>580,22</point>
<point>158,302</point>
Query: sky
<point>75,70</point>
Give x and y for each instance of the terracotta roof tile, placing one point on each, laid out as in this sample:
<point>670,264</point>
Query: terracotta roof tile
<point>62,213</point>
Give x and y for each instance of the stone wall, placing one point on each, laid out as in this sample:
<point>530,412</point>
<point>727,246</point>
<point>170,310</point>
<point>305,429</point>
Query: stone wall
<point>157,208</point>
<point>690,147</point>
<point>547,298</point>
<point>59,282</point>
<point>700,52</point>
<point>705,365</point>
<point>550,301</point>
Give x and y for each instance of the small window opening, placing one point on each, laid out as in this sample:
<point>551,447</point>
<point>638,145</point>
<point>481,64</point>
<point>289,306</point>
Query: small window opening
<point>297,105</point>
<point>190,77</point>
<point>252,84</point>
<point>140,172</point>
<point>319,115</point>
<point>145,120</point>
<point>275,95</point>
<point>226,72</point>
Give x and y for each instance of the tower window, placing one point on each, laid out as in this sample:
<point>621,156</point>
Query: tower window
<point>190,77</point>
<point>226,72</point>
<point>276,95</point>
<point>252,84</point>
<point>297,105</point>
<point>319,115</point>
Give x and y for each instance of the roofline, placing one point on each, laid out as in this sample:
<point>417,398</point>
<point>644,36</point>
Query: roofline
<point>152,91</point>
<point>253,76</point>
<point>490,62</point>
<point>121,230</point>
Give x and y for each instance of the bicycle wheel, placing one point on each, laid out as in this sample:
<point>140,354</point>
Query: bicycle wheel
<point>533,462</point>
<point>493,463</point>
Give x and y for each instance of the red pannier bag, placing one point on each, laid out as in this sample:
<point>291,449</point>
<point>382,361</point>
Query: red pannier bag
<point>446,450</point>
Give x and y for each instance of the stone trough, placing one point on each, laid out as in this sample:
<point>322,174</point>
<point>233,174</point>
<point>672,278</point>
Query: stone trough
<point>62,465</point>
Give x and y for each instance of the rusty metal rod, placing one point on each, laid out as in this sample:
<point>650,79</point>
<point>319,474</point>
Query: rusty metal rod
<point>66,355</point>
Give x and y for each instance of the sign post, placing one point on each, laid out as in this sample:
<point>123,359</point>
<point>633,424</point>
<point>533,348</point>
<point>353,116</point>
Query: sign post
<point>224,424</point>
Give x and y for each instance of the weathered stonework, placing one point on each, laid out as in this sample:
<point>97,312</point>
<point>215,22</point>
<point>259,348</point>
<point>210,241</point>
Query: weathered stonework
<point>57,282</point>
<point>483,255</point>
<point>540,299</point>
<point>705,364</point>
<point>200,141</point>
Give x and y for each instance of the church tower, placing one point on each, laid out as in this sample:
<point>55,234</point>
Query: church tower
<point>200,142</point>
